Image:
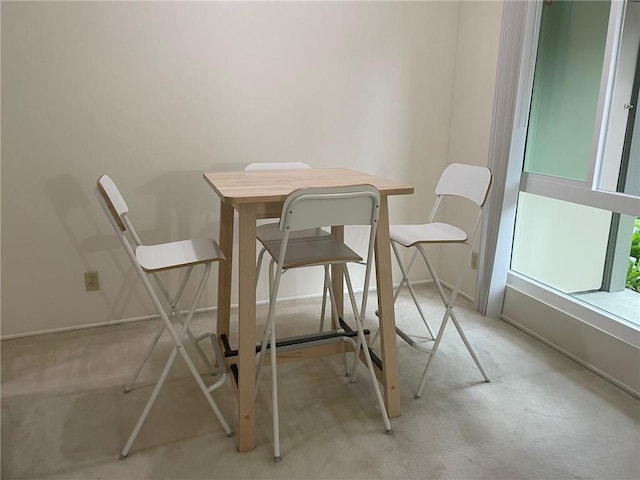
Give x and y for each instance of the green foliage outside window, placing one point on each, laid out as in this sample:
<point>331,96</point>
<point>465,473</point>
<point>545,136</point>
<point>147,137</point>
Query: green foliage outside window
<point>633,272</point>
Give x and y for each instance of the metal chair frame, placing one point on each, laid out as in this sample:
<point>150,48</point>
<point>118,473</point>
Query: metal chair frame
<point>148,261</point>
<point>458,180</point>
<point>313,208</point>
<point>269,232</point>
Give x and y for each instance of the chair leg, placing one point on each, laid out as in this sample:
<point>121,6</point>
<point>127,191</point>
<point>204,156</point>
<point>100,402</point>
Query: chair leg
<point>156,389</point>
<point>260,356</point>
<point>356,315</point>
<point>325,289</point>
<point>439,336</point>
<point>201,353</point>
<point>174,311</point>
<point>178,347</point>
<point>192,368</point>
<point>362,345</point>
<point>259,264</point>
<point>149,404</point>
<point>272,275</point>
<point>206,392</point>
<point>469,348</point>
<point>374,381</point>
<point>273,291</point>
<point>448,302</point>
<point>215,345</point>
<point>449,314</point>
<point>408,269</point>
<point>405,279</point>
<point>269,341</point>
<point>372,373</point>
<point>274,397</point>
<point>173,305</point>
<point>334,310</point>
<point>150,348</point>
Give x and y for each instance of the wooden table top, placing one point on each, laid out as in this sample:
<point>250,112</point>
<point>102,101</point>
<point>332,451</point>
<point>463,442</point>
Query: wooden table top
<point>266,186</point>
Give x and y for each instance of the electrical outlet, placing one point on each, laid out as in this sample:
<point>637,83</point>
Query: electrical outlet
<point>474,260</point>
<point>91,281</point>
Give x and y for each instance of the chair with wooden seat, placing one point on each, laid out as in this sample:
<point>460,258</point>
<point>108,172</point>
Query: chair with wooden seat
<point>312,208</point>
<point>149,261</point>
<point>269,232</point>
<point>468,182</point>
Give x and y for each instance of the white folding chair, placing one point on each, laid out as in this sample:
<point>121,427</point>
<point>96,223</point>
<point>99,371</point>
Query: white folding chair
<point>315,208</point>
<point>148,261</point>
<point>269,232</point>
<point>458,180</point>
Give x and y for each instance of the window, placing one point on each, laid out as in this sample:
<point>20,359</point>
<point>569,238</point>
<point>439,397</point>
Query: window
<point>566,83</point>
<point>580,185</point>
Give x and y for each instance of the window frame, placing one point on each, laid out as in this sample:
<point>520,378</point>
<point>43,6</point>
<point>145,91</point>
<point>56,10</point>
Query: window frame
<point>512,103</point>
<point>581,192</point>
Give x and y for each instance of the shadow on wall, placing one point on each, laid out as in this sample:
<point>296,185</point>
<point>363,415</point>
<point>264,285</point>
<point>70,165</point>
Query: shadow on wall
<point>185,207</point>
<point>171,206</point>
<point>79,217</point>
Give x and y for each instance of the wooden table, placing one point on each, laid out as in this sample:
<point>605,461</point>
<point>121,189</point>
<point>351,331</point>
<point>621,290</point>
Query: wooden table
<point>260,194</point>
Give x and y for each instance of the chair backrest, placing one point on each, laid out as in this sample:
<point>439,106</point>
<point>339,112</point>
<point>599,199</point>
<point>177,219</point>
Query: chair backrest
<point>277,166</point>
<point>117,211</point>
<point>113,200</point>
<point>324,207</point>
<point>466,181</point>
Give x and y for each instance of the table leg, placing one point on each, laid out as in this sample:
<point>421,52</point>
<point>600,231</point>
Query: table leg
<point>390,371</point>
<point>225,240</point>
<point>337,279</point>
<point>246,328</point>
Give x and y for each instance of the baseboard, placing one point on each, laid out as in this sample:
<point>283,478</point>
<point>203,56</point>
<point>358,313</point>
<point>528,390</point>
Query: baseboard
<point>85,326</point>
<point>198,311</point>
<point>606,355</point>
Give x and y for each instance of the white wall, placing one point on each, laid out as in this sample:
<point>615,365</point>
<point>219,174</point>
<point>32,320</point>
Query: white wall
<point>471,110</point>
<point>155,93</point>
<point>605,353</point>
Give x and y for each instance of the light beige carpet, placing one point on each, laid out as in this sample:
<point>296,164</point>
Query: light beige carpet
<point>64,415</point>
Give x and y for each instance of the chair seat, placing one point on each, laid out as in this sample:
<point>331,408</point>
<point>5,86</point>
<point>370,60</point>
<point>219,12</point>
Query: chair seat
<point>409,235</point>
<point>178,254</point>
<point>321,250</point>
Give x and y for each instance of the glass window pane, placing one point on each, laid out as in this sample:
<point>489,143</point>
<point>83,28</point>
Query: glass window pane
<point>566,88</point>
<point>560,244</point>
<point>564,246</point>
<point>620,169</point>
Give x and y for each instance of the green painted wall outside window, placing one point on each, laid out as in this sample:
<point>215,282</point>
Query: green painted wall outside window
<point>565,89</point>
